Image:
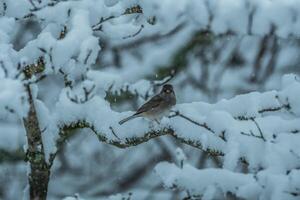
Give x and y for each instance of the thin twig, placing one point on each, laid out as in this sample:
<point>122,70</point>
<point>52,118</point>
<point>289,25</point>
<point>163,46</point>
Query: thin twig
<point>100,22</point>
<point>165,80</point>
<point>4,69</point>
<point>113,132</point>
<point>151,38</point>
<point>204,125</point>
<point>259,130</point>
<point>87,57</point>
<point>251,134</point>
<point>134,10</point>
<point>135,34</point>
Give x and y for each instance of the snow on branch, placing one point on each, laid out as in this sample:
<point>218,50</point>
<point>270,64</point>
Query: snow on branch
<point>238,129</point>
<point>205,183</point>
<point>269,151</point>
<point>258,129</point>
<point>12,98</point>
<point>212,183</point>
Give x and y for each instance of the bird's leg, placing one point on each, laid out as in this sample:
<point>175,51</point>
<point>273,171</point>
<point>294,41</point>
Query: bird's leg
<point>157,121</point>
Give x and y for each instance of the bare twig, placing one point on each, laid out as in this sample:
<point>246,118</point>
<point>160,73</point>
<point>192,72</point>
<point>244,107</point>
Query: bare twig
<point>87,95</point>
<point>33,5</point>
<point>87,56</point>
<point>74,99</point>
<point>203,125</point>
<point>96,27</point>
<point>134,10</point>
<point>251,134</point>
<point>152,38</point>
<point>135,34</point>
<point>4,69</point>
<point>295,154</point>
<point>259,130</point>
<point>165,80</point>
<point>113,132</point>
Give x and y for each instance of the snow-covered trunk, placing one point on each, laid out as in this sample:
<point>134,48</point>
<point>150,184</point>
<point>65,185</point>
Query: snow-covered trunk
<point>38,177</point>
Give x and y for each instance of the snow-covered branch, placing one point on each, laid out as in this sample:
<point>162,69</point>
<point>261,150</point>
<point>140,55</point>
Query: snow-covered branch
<point>221,183</point>
<point>228,127</point>
<point>71,66</point>
<point>243,17</point>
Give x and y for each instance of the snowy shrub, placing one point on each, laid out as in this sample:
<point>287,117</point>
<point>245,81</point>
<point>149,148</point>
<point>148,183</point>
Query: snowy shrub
<point>72,66</point>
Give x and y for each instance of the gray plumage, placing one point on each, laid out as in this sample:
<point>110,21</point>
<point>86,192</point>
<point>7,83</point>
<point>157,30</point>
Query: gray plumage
<point>127,119</point>
<point>157,107</point>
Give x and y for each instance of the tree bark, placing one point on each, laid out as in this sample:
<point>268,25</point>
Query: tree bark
<point>39,169</point>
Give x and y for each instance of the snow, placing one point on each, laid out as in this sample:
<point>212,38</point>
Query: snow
<point>180,156</point>
<point>208,181</point>
<point>198,181</point>
<point>267,154</point>
<point>11,132</point>
<point>12,97</point>
<point>248,124</point>
<point>75,197</point>
<point>220,118</point>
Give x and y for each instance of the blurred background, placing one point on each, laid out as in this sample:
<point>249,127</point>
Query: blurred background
<point>202,66</point>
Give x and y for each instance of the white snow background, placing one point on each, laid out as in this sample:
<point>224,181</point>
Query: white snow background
<point>235,131</point>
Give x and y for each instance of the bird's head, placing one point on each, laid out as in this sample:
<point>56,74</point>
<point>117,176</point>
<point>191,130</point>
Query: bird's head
<point>167,89</point>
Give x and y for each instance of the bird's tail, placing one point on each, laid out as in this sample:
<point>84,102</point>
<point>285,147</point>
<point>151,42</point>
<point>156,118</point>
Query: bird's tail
<point>127,119</point>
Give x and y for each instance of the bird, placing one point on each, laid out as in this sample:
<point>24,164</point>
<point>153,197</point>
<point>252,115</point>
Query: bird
<point>157,107</point>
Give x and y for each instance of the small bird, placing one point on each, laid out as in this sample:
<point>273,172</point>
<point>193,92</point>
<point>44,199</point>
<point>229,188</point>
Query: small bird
<point>157,107</point>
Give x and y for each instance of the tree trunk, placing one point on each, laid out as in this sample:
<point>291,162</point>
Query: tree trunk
<point>39,170</point>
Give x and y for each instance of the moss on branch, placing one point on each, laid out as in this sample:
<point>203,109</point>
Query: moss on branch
<point>130,141</point>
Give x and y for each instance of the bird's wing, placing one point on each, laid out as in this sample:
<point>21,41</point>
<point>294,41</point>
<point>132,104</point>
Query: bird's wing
<point>152,103</point>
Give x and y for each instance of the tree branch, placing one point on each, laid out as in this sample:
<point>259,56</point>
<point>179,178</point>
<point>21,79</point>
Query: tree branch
<point>11,156</point>
<point>39,169</point>
<point>128,142</point>
<point>129,11</point>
